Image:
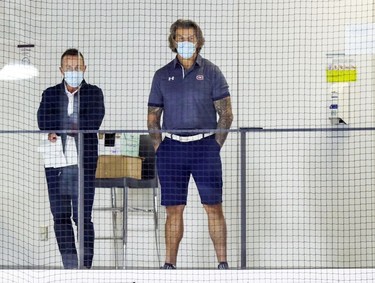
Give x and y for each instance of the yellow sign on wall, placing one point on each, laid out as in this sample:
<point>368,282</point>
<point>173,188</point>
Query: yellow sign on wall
<point>339,76</point>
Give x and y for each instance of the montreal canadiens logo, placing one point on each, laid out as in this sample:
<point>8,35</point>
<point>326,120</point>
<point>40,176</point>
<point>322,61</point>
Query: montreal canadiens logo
<point>200,77</point>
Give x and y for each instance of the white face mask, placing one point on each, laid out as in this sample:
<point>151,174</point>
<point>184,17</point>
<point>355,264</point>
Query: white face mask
<point>186,49</point>
<point>73,78</point>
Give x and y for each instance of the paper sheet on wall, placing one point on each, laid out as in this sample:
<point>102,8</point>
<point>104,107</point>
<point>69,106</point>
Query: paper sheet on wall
<point>130,144</point>
<point>119,144</point>
<point>52,152</point>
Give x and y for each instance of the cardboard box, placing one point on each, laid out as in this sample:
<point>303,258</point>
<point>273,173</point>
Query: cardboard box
<point>119,166</point>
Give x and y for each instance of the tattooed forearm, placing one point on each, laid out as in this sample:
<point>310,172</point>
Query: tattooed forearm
<point>153,124</point>
<point>224,110</point>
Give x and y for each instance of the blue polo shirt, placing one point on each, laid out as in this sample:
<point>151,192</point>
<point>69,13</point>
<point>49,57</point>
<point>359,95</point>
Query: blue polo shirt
<point>187,96</point>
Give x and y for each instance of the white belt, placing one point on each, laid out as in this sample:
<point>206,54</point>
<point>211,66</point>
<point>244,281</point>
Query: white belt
<point>187,138</point>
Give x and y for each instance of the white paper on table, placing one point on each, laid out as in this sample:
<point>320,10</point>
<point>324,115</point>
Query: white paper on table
<point>52,152</point>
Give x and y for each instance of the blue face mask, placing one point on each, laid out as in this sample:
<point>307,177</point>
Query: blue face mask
<point>73,78</point>
<point>186,49</point>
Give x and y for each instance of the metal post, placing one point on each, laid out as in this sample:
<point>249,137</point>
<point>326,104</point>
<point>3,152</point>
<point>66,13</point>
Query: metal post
<point>81,190</point>
<point>125,224</point>
<point>81,203</point>
<point>243,196</point>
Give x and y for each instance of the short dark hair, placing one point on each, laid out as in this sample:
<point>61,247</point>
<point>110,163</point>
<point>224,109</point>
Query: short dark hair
<point>185,24</point>
<point>72,52</point>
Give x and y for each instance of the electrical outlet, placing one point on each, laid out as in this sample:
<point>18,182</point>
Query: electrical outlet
<point>43,233</point>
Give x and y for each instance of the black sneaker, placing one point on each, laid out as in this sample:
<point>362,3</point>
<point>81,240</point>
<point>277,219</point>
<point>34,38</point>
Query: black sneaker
<point>223,265</point>
<point>168,266</point>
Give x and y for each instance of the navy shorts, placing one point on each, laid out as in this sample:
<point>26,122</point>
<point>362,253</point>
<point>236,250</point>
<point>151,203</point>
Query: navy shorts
<point>177,161</point>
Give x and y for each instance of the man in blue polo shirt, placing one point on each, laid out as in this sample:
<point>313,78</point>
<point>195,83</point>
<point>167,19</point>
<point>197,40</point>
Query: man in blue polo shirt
<point>190,92</point>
